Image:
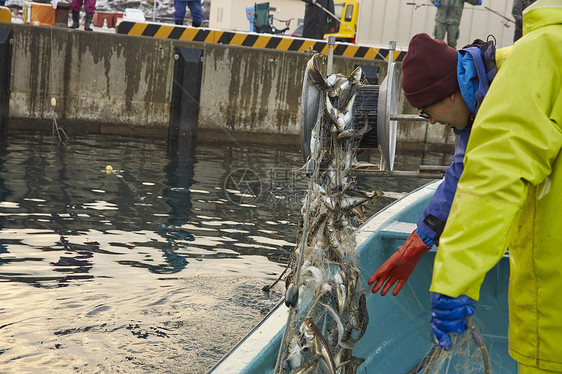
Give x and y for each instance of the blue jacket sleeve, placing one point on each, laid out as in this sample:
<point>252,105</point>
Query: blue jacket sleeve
<point>432,222</point>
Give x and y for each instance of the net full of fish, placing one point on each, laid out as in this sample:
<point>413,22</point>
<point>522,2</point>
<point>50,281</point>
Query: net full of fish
<point>325,292</point>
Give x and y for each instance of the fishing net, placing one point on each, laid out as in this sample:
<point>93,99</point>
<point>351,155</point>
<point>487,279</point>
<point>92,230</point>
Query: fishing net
<point>468,354</point>
<point>325,292</point>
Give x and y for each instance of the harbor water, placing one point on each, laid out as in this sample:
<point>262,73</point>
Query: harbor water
<point>118,256</point>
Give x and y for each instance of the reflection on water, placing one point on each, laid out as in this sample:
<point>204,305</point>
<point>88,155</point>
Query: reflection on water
<point>157,266</point>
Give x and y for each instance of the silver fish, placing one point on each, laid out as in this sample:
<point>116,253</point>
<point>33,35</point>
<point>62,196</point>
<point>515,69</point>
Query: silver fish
<point>307,369</point>
<point>346,108</point>
<point>315,227</point>
<point>363,315</point>
<point>314,72</point>
<point>331,80</point>
<point>346,95</point>
<point>319,344</point>
<point>337,320</point>
<point>337,118</point>
<point>340,84</point>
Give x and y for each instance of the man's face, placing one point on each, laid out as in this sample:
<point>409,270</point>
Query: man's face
<point>451,111</point>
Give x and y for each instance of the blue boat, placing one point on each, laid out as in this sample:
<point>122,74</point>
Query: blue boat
<point>398,336</point>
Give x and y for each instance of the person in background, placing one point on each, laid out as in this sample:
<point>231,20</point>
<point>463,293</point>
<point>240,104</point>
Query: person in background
<point>448,86</point>
<point>316,20</point>
<point>448,19</point>
<point>89,7</point>
<point>2,2</point>
<point>194,8</point>
<point>509,196</point>
<point>517,12</point>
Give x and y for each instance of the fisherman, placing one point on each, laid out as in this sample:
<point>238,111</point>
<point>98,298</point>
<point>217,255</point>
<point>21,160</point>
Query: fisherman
<point>509,196</point>
<point>517,12</point>
<point>448,18</point>
<point>89,8</point>
<point>316,19</point>
<point>448,87</point>
<point>195,9</point>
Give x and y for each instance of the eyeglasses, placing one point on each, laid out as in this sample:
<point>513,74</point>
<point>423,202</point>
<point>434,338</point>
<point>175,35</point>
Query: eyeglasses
<point>424,114</point>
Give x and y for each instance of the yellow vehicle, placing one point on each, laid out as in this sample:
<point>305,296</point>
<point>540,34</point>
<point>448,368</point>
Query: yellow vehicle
<point>348,13</point>
<point>5,14</point>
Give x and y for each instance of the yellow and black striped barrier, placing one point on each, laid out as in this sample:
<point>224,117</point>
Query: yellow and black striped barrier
<point>269,41</point>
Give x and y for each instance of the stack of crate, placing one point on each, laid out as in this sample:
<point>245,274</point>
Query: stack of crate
<point>45,14</point>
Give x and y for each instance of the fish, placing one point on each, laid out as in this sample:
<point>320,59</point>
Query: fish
<point>347,183</point>
<point>346,108</point>
<point>355,76</point>
<point>348,159</point>
<point>314,143</point>
<point>341,291</point>
<point>340,84</point>
<point>331,235</point>
<point>346,96</point>
<point>359,212</point>
<point>354,198</point>
<point>310,167</point>
<point>343,357</point>
<point>331,80</point>
<point>312,99</point>
<point>363,315</point>
<point>319,344</point>
<point>337,320</point>
<point>314,72</point>
<point>346,361</point>
<point>307,368</point>
<point>336,293</point>
<point>337,118</point>
<point>348,134</point>
<point>316,225</point>
<point>350,202</point>
<point>355,134</point>
<point>329,202</point>
<point>351,276</point>
<point>366,128</point>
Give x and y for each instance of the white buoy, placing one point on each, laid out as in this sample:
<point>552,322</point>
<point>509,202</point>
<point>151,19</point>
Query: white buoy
<point>108,169</point>
<point>53,102</point>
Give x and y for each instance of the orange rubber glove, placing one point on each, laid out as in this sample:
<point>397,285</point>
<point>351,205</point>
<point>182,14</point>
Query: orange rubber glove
<point>399,266</point>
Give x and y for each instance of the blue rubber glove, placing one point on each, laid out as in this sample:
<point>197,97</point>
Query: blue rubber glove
<point>437,4</point>
<point>448,314</point>
<point>479,2</point>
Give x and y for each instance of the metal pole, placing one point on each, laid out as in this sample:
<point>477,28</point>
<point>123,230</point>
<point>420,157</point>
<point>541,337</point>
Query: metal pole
<point>407,117</point>
<point>501,15</point>
<point>154,11</point>
<point>331,43</point>
<point>391,49</point>
<point>403,173</point>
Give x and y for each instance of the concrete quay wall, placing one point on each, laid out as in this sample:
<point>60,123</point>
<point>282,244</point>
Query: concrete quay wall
<point>122,84</point>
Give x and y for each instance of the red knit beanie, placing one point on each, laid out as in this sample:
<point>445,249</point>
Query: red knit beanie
<point>429,71</point>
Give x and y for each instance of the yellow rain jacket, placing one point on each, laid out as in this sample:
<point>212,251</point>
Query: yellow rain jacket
<point>510,193</point>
